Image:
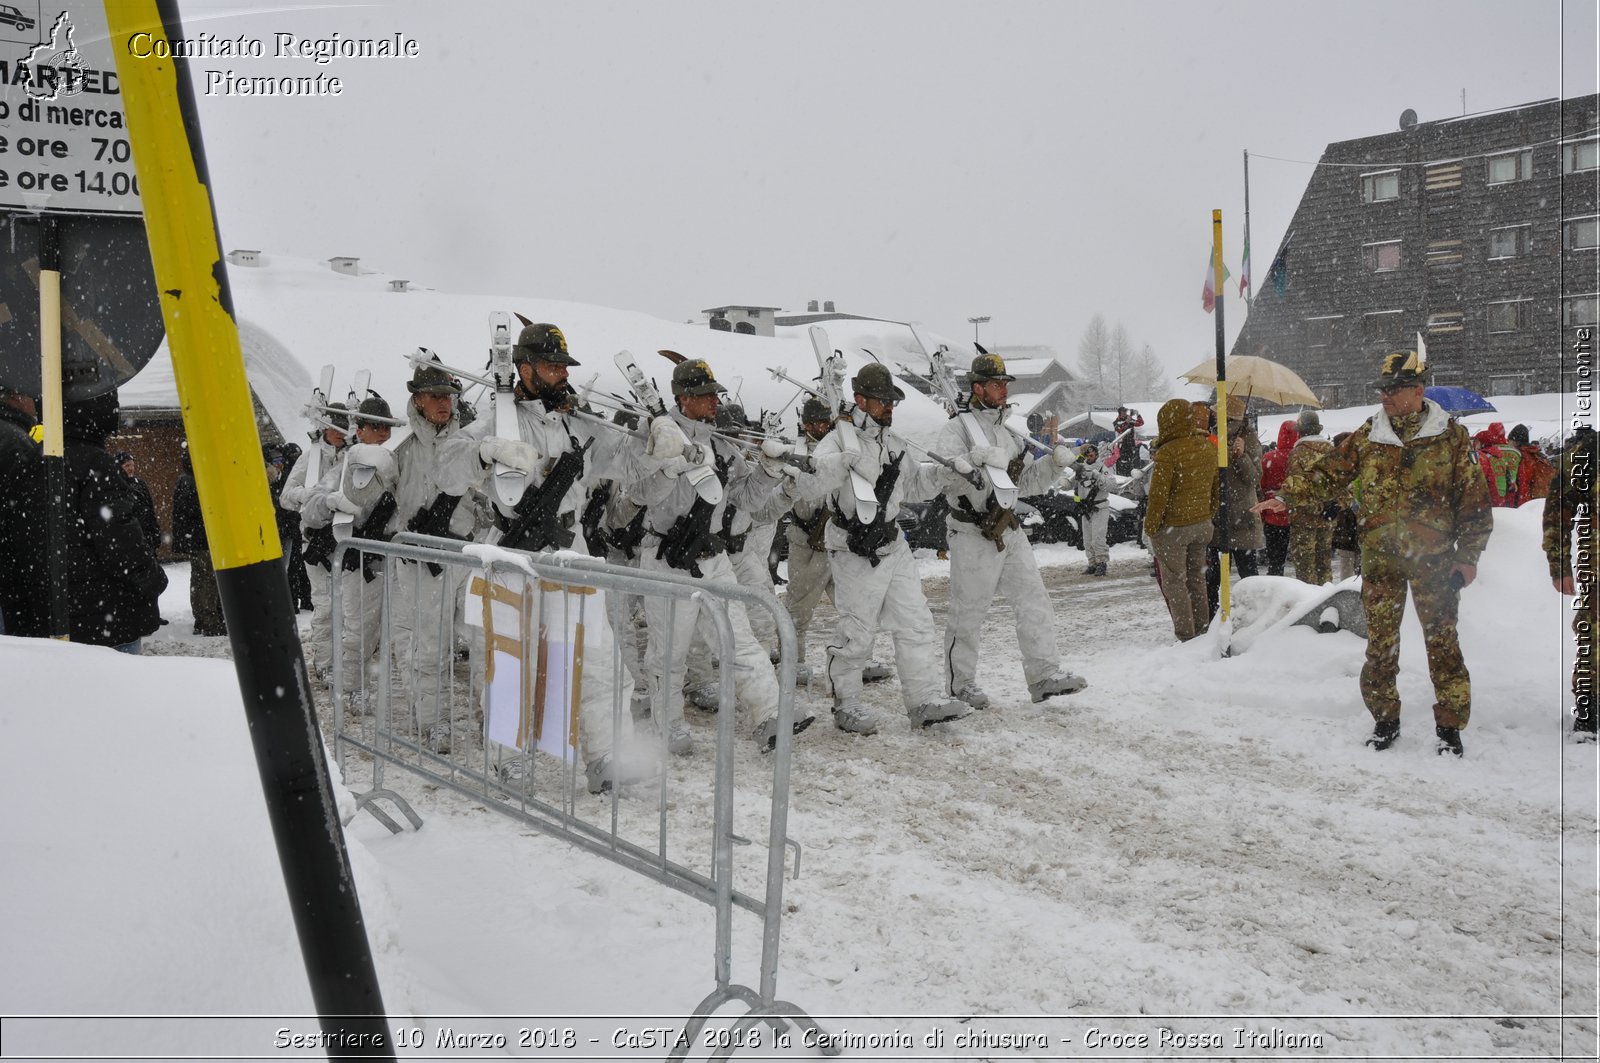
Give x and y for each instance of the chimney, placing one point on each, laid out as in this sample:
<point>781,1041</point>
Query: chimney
<point>827,307</point>
<point>811,307</point>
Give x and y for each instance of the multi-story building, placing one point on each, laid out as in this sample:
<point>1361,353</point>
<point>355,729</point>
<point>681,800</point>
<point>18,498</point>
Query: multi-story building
<point>1480,232</point>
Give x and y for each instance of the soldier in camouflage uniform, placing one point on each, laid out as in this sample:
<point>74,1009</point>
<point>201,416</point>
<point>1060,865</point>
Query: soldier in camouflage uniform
<point>1571,503</point>
<point>1424,521</point>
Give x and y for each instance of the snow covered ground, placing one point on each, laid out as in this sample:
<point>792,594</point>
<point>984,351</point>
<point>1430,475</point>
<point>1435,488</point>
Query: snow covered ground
<point>1195,856</point>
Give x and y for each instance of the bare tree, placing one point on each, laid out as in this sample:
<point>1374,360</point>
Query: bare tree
<point>1094,354</point>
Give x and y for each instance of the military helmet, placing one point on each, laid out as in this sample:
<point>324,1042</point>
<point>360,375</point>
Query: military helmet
<point>989,367</point>
<point>432,378</point>
<point>542,343</point>
<point>814,409</point>
<point>1402,369</point>
<point>875,382</point>
<point>694,377</point>
<point>339,420</point>
<point>371,408</point>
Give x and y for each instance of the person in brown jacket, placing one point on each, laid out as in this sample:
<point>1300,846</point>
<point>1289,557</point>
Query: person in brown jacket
<point>1177,521</point>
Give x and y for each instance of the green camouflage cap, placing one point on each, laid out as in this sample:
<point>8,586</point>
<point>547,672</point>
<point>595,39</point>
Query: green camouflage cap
<point>694,377</point>
<point>432,379</point>
<point>875,382</point>
<point>373,406</point>
<point>814,409</point>
<point>989,367</point>
<point>542,343</point>
<point>1402,369</point>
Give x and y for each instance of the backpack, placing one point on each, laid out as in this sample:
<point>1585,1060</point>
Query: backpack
<point>1500,463</point>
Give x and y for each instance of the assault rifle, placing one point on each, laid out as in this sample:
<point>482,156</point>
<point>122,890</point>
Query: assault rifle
<point>535,523</point>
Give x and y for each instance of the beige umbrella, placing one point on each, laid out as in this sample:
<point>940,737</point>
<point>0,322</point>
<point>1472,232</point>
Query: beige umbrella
<point>1251,377</point>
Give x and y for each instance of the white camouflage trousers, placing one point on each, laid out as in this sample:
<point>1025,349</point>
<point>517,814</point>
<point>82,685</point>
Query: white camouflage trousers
<point>675,622</point>
<point>977,571</point>
<point>319,642</point>
<point>810,576</point>
<point>888,598</point>
<point>1095,524</point>
<point>422,618</point>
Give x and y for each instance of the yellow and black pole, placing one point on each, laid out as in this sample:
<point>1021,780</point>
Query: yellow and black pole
<point>1223,554</point>
<point>197,307</point>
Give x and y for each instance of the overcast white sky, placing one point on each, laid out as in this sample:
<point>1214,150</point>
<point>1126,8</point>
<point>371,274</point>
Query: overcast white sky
<point>1037,162</point>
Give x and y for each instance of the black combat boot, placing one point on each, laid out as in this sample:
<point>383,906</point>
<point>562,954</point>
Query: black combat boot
<point>1449,740</point>
<point>1384,733</point>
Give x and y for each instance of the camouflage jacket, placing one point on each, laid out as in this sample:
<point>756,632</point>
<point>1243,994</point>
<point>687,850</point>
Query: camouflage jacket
<point>1571,496</point>
<point>1419,498</point>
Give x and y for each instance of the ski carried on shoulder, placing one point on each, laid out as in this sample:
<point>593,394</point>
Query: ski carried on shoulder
<point>831,388</point>
<point>999,478</point>
<point>703,477</point>
<point>344,523</point>
<point>317,414</point>
<point>509,484</point>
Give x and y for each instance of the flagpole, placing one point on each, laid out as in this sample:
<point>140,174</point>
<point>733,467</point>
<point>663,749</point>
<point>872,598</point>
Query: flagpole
<point>1249,283</point>
<point>1223,553</point>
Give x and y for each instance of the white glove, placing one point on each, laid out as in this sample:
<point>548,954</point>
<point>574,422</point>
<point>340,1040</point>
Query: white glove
<point>697,454</point>
<point>666,439</point>
<point>962,465</point>
<point>512,453</point>
<point>1063,456</point>
<point>771,454</point>
<point>676,466</point>
<point>988,455</point>
<point>380,459</point>
<point>340,504</point>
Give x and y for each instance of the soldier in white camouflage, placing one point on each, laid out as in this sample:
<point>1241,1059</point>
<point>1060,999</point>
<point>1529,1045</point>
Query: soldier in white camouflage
<point>1569,508</point>
<point>1424,521</point>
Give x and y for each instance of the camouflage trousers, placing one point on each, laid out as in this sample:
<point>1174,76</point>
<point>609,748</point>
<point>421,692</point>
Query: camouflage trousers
<point>1311,551</point>
<point>1384,580</point>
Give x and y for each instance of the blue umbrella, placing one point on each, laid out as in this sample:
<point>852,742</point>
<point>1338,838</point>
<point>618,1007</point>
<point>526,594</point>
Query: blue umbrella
<point>1459,400</point>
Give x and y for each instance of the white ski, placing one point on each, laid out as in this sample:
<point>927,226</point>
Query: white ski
<point>1005,491</point>
<point>508,482</point>
<point>702,477</point>
<point>344,523</point>
<point>831,385</point>
<point>317,413</point>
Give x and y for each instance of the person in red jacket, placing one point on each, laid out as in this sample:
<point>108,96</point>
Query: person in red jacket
<point>1534,472</point>
<point>1500,462</point>
<point>1274,467</point>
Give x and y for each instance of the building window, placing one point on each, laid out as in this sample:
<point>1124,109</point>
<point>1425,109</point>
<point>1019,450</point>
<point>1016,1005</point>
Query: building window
<point>1442,253</point>
<point>1583,234</point>
<point>1383,326</point>
<point>1509,241</point>
<point>1319,331</point>
<point>1581,310</point>
<point>1448,321</point>
<point>1377,187</point>
<point>1512,166</point>
<point>1331,396</point>
<point>1510,315</point>
<point>1580,155</point>
<point>1508,384</point>
<point>1442,178</point>
<point>1381,257</point>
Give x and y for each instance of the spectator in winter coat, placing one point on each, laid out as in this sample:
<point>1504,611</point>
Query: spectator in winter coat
<point>1311,525</point>
<point>147,506</point>
<point>114,581</point>
<point>1534,473</point>
<point>189,539</point>
<point>1241,536</point>
<point>1177,520</point>
<point>1127,421</point>
<point>1500,462</point>
<point>1275,525</point>
<point>19,534</point>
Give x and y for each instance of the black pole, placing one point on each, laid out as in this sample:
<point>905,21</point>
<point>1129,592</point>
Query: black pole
<point>168,153</point>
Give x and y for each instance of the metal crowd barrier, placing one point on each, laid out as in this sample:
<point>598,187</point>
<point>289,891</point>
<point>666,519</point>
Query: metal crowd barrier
<point>384,734</point>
